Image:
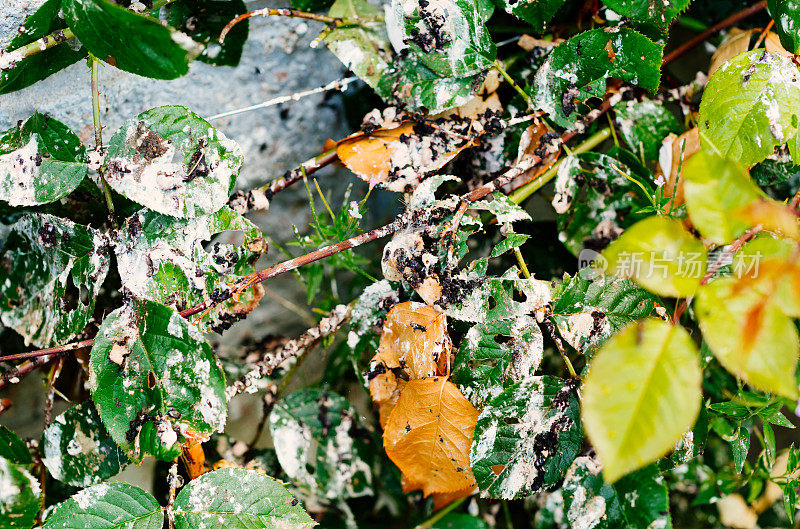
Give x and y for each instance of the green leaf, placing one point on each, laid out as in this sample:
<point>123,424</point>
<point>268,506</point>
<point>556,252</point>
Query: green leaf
<point>51,271</point>
<point>588,311</point>
<point>497,298</point>
<point>315,438</point>
<point>149,366</point>
<point>750,335</point>
<point>532,430</point>
<point>740,446</point>
<point>40,161</point>
<point>13,448</point>
<point>130,41</point>
<point>448,36</point>
<point>45,21</point>
<point>108,506</point>
<point>455,520</point>
<point>638,500</point>
<point>19,501</point>
<point>236,498</point>
<point>750,106</point>
<point>786,14</point>
<point>644,125</point>
<point>410,82</point>
<point>203,21</point>
<point>651,17</point>
<point>576,69</point>
<point>174,162</point>
<point>595,205</point>
<point>164,259</point>
<point>715,190</point>
<point>659,254</point>
<point>642,393</point>
<point>537,13</point>
<point>495,355</point>
<point>77,450</point>
<point>363,48</point>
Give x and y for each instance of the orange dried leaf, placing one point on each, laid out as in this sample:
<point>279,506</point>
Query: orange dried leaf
<point>194,457</point>
<point>442,499</point>
<point>399,157</point>
<point>772,216</point>
<point>428,435</point>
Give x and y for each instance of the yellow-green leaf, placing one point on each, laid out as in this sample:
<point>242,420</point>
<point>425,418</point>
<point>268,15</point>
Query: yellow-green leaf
<point>659,254</point>
<point>715,189</point>
<point>642,392</point>
<point>749,334</point>
<point>770,264</point>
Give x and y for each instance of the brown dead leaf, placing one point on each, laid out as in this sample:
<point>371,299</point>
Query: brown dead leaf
<point>675,152</point>
<point>738,41</point>
<point>528,43</point>
<point>442,499</point>
<point>428,436</point>
<point>401,157</point>
<point>193,455</point>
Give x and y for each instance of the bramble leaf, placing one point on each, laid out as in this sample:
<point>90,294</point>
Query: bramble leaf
<point>715,190</point>
<point>174,162</point>
<point>526,437</point>
<point>749,335</point>
<point>43,22</point>
<point>652,17</point>
<point>659,254</point>
<point>428,435</point>
<point>643,125</point>
<point>236,498</point>
<point>641,394</point>
<point>41,160</point>
<point>152,374</point>
<point>130,41</point>
<point>786,14</point>
<point>77,450</point>
<point>108,505</point>
<point>750,106</point>
<point>537,13</point>
<point>51,273</point>
<point>317,441</point>
<point>13,448</point>
<point>577,69</point>
<point>19,501</point>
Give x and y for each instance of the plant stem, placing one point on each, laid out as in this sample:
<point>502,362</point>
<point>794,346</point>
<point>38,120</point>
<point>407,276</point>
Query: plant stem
<point>521,261</point>
<point>499,67</point>
<point>716,28</point>
<point>285,12</point>
<point>98,134</point>
<point>440,514</point>
<point>519,195</point>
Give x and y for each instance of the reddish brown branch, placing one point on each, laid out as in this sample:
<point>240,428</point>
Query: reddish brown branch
<point>710,32</point>
<point>283,12</point>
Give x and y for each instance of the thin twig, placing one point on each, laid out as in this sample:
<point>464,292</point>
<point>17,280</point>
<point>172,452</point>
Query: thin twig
<point>713,30</point>
<point>339,84</point>
<point>98,135</point>
<point>55,370</point>
<point>285,12</point>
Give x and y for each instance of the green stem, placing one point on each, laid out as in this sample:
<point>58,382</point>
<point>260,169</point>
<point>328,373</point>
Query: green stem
<point>499,67</point>
<point>440,514</point>
<point>519,195</point>
<point>522,266</point>
<point>98,131</point>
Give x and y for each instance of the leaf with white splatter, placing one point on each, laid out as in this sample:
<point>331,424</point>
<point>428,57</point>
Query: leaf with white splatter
<point>166,259</point>
<point>51,271</point>
<point>588,311</point>
<point>41,160</point>
<point>174,162</point>
<point>643,125</point>
<point>537,13</point>
<point>363,48</point>
<point>77,450</point>
<point>495,355</point>
<point>106,506</point>
<point>153,377</point>
<point>526,438</point>
<point>321,444</point>
<point>19,496</point>
<point>493,299</point>
<point>236,498</point>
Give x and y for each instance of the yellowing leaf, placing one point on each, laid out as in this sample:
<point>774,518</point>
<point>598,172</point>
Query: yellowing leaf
<point>749,334</point>
<point>769,265</point>
<point>402,156</point>
<point>428,436</point>
<point>659,254</point>
<point>642,392</point>
<point>772,216</point>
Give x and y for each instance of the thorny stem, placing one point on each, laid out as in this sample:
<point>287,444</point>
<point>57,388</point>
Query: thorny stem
<point>499,67</point>
<point>430,522</point>
<point>560,346</point>
<point>285,12</point>
<point>716,28</point>
<point>734,247</point>
<point>98,133</point>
